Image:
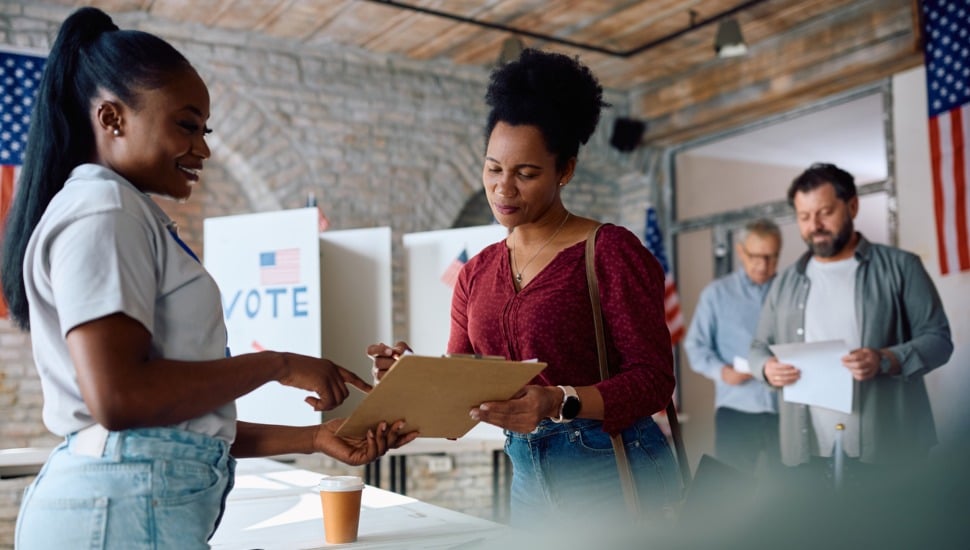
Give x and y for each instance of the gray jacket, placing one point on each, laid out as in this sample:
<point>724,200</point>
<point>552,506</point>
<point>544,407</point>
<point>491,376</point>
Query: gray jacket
<point>899,309</point>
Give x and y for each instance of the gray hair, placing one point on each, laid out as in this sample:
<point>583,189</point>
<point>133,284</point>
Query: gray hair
<point>762,227</point>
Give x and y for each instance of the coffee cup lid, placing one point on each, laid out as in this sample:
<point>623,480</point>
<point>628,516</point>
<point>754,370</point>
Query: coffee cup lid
<point>340,483</point>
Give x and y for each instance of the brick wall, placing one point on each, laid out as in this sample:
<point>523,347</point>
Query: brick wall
<point>378,140</point>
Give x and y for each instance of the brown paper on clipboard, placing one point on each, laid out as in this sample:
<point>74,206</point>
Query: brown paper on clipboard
<point>434,394</point>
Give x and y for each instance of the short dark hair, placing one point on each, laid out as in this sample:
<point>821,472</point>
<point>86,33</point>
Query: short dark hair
<point>818,175</point>
<point>89,53</point>
<point>551,91</point>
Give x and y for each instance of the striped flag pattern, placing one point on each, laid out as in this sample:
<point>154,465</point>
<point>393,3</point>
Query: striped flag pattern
<point>947,55</point>
<point>450,275</point>
<point>19,76</point>
<point>654,242</point>
<point>279,267</point>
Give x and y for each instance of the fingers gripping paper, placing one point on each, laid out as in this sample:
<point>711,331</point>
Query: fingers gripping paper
<point>434,394</point>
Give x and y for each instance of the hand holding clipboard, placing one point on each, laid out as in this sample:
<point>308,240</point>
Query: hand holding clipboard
<point>434,394</point>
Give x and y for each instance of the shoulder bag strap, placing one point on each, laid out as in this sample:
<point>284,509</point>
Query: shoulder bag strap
<point>626,474</point>
<point>622,462</point>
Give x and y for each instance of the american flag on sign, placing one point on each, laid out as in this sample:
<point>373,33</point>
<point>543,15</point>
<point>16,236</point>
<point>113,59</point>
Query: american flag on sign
<point>947,25</point>
<point>450,276</point>
<point>655,244</point>
<point>19,76</point>
<point>279,267</point>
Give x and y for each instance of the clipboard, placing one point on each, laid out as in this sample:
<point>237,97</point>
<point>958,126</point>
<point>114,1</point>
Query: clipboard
<point>434,394</point>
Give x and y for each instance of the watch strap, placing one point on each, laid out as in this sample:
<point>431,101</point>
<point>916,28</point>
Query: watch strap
<point>568,392</point>
<point>885,362</point>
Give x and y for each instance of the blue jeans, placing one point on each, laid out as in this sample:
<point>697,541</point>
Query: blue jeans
<point>151,488</point>
<point>569,471</point>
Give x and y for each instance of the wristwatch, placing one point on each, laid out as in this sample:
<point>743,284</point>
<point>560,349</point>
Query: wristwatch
<point>570,405</point>
<point>885,363</point>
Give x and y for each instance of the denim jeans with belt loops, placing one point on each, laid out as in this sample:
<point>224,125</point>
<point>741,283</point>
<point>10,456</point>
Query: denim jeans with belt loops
<point>566,471</point>
<point>151,488</point>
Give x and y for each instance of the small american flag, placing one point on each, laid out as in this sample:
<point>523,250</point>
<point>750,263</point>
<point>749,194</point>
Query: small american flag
<point>654,242</point>
<point>947,24</point>
<point>19,76</point>
<point>450,276</point>
<point>279,267</point>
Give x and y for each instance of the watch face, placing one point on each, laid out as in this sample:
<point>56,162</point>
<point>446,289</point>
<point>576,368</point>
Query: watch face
<point>570,408</point>
<point>885,365</point>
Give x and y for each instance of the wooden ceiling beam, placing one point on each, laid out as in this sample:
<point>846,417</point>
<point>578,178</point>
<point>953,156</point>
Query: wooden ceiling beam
<point>853,48</point>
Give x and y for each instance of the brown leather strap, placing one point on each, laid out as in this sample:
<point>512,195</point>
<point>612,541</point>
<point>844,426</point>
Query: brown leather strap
<point>678,438</point>
<point>622,463</point>
<point>594,298</point>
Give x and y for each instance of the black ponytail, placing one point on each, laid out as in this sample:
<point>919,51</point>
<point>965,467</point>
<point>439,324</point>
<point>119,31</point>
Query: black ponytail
<point>89,53</point>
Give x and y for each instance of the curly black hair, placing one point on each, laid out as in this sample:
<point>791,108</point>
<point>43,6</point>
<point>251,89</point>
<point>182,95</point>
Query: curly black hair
<point>551,91</point>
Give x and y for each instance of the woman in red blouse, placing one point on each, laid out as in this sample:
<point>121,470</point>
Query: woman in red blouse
<point>526,297</point>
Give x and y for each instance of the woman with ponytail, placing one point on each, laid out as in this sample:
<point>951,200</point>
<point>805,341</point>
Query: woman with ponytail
<point>126,325</point>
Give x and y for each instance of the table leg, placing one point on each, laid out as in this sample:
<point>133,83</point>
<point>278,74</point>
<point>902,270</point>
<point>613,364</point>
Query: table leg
<point>399,474</point>
<point>372,473</point>
<point>501,485</point>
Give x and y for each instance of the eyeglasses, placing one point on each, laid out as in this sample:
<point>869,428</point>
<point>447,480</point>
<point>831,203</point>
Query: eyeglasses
<point>767,258</point>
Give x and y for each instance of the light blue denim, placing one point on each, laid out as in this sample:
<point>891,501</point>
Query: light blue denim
<point>569,470</point>
<point>152,488</point>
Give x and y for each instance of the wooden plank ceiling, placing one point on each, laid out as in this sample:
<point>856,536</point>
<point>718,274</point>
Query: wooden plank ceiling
<point>659,51</point>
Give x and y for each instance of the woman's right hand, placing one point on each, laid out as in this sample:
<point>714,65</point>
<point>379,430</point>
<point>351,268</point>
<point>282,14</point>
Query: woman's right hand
<point>321,376</point>
<point>384,356</point>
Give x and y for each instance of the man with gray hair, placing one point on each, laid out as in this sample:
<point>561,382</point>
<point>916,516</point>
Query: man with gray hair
<point>718,340</point>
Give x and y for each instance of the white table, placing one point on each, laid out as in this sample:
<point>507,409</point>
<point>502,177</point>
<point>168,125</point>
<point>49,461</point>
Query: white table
<point>25,461</point>
<point>275,506</point>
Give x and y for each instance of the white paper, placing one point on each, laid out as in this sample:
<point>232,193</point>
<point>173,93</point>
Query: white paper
<point>824,381</point>
<point>741,365</point>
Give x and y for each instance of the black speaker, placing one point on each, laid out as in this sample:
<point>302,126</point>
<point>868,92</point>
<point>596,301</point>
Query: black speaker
<point>627,133</point>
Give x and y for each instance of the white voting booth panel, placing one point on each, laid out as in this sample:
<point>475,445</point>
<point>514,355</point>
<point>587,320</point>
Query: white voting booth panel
<point>429,299</point>
<point>357,302</point>
<point>278,294</point>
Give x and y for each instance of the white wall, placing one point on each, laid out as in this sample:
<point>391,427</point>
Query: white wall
<point>949,386</point>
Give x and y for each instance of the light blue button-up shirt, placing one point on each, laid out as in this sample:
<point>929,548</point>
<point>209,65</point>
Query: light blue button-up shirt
<point>723,325</point>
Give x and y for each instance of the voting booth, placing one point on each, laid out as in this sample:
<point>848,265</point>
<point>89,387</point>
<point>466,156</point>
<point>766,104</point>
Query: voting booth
<point>287,287</point>
<point>431,256</point>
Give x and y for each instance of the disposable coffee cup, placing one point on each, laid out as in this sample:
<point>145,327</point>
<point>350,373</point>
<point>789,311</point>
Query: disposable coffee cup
<point>340,497</point>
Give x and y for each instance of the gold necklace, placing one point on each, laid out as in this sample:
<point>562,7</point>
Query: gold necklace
<point>518,272</point>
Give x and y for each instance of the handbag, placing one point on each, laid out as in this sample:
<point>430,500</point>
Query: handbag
<point>622,462</point>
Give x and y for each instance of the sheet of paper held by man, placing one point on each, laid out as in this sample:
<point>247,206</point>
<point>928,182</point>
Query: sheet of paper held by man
<point>824,381</point>
<point>741,365</point>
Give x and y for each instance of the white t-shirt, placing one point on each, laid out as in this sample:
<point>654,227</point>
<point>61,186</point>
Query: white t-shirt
<point>104,247</point>
<point>830,315</point>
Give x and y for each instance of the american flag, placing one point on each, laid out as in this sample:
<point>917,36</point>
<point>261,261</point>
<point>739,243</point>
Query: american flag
<point>947,54</point>
<point>19,76</point>
<point>450,276</point>
<point>279,267</point>
<point>655,244</point>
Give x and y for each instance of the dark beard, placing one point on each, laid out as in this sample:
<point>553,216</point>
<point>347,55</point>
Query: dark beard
<point>833,247</point>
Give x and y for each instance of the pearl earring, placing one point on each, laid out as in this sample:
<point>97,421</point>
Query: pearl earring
<point>116,132</point>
